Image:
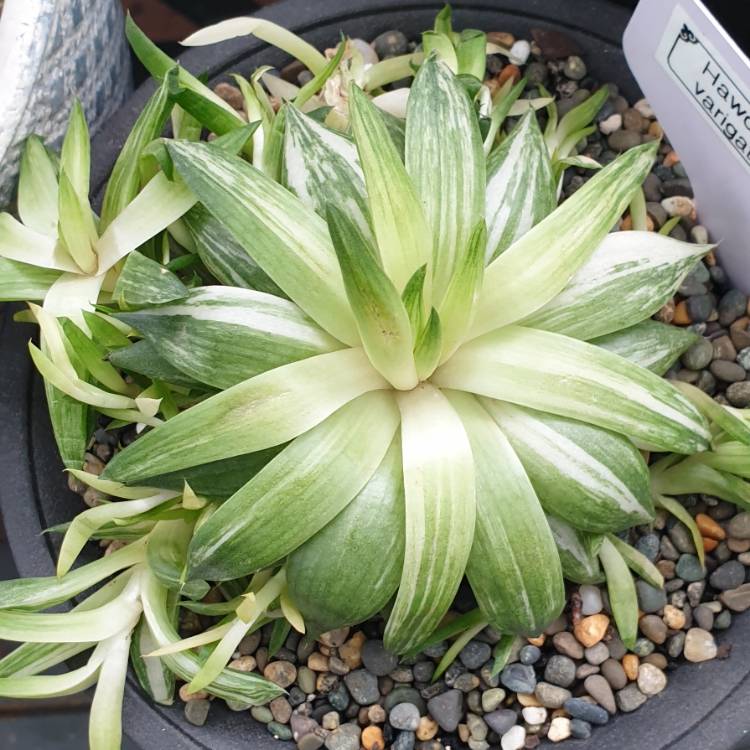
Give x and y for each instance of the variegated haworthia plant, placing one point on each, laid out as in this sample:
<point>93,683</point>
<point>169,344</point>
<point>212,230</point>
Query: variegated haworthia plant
<point>415,366</point>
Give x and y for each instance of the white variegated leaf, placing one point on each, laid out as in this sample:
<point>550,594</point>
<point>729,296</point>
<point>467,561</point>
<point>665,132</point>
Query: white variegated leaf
<point>25,245</point>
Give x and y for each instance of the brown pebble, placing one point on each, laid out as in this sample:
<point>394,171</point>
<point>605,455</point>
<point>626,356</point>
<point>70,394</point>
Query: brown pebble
<point>630,663</point>
<point>538,641</point>
<point>738,545</point>
<point>372,738</point>
<point>427,728</point>
<point>230,94</point>
<point>671,159</point>
<point>243,664</point>
<point>709,545</point>
<point>337,666</point>
<point>281,673</point>
<point>590,630</point>
<point>503,38</point>
<point>351,651</point>
<point>614,674</point>
<point>281,709</point>
<point>528,699</point>
<point>666,568</point>
<point>666,313</point>
<point>657,659</point>
<point>566,643</point>
<point>325,682</point>
<point>185,696</point>
<point>334,638</point>
<point>376,713</point>
<point>555,44</point>
<point>655,129</point>
<point>674,618</point>
<point>317,662</point>
<point>681,315</point>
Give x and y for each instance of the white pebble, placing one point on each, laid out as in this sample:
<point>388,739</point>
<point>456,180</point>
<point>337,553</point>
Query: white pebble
<point>591,599</point>
<point>651,680</point>
<point>514,738</point>
<point>559,729</point>
<point>699,645</point>
<point>368,53</point>
<point>612,123</point>
<point>678,205</point>
<point>644,108</point>
<point>534,715</point>
<point>519,52</point>
<point>699,234</point>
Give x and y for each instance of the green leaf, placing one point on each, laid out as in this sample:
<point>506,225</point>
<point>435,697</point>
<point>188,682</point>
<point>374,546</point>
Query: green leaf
<point>222,336</point>
<point>440,511</point>
<point>125,180</point>
<point>428,346</point>
<point>578,552</point>
<point>20,281</point>
<point>638,562</point>
<point>316,83</point>
<point>37,188</point>
<point>728,419</point>
<point>503,101</point>
<point>681,514</point>
<point>731,457</point>
<point>382,320</point>
<point>75,225</point>
<point>471,52</point>
<point>576,380</point>
<point>350,569</point>
<point>413,299</point>
<point>75,154</point>
<point>520,186</point>
<point>538,266</point>
<point>456,647</point>
<point>441,45</point>
<point>650,344</point>
<point>403,237</point>
<point>279,634</point>
<point>51,686</point>
<point>322,168</point>
<point>629,277</point>
<point>144,282</point>
<point>285,238</point>
<point>24,245</point>
<point>622,594</point>
<point>223,256</point>
<point>501,653</point>
<point>513,568</point>
<point>445,160</point>
<point>153,676</point>
<point>143,359</point>
<point>576,119</point>
<point>167,557</point>
<point>312,480</point>
<point>595,479</point>
<point>104,332</point>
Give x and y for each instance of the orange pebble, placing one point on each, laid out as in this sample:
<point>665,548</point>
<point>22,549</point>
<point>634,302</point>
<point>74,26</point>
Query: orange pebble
<point>372,738</point>
<point>681,316</point>
<point>671,159</point>
<point>509,71</point>
<point>528,699</point>
<point>538,641</point>
<point>709,528</point>
<point>709,544</point>
<point>626,224</point>
<point>590,630</point>
<point>655,129</point>
<point>630,663</point>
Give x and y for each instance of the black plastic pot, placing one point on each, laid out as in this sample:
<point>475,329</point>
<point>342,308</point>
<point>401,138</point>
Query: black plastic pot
<point>704,707</point>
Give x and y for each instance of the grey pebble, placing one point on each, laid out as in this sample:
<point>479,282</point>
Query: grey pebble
<point>474,654</point>
<point>597,654</point>
<point>704,617</point>
<point>279,731</point>
<point>581,709</point>
<point>630,698</point>
<point>723,620</point>
<point>423,671</point>
<point>520,678</point>
<point>616,648</point>
<point>196,711</point>
<point>500,721</point>
<point>404,694</point>
<point>404,741</point>
<point>346,737</point>
<point>390,43</point>
<point>648,544</point>
<point>731,306</point>
<point>668,550</point>
<point>575,68</point>
<point>738,394</point>
<point>680,536</point>
<point>730,575</point>
<point>560,670</point>
<point>404,716</point>
<point>377,659</point>
<point>676,644</point>
<point>690,569</point>
<point>568,645</point>
<point>695,592</point>
<point>551,696</point>
<point>698,356</point>
<point>529,654</point>
<point>614,674</point>
<point>580,729</point>
<point>447,709</point>
<point>363,687</point>
<point>622,140</point>
<point>601,691</point>
<point>739,526</point>
<point>643,647</point>
<point>262,714</point>
<point>650,599</point>
<point>729,372</point>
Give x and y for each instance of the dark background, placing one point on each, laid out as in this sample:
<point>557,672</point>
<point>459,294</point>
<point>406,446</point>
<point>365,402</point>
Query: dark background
<point>61,724</point>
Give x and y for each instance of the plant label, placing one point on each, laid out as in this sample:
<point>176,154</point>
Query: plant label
<point>697,81</point>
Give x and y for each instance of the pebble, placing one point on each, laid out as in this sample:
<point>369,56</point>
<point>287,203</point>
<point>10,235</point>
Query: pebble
<point>601,691</point>
<point>699,355</point>
<point>534,714</point>
<point>614,674</point>
<point>306,680</point>
<point>310,742</point>
<point>404,716</point>
<point>644,108</point>
<point>427,728</point>
<point>597,654</point>
<point>738,393</point>
<point>739,526</point>
<point>372,738</point>
<point>377,659</point>
<point>580,729</point>
<point>590,630</point>
<point>738,600</point>
<point>724,618</point>
<point>689,568</point>
<point>390,44</point>
<point>492,698</point>
<point>551,696</point>
<point>622,140</point>
<point>651,680</point>
<point>678,205</point>
<point>730,575</point>
<point>676,644</point>
<point>501,721</point>
<point>474,654</point>
<point>520,678</point>
<point>699,645</point>
<point>554,45</point>
<point>281,673</point>
<point>196,711</point>
<point>567,645</point>
<point>575,68</point>
<point>560,670</point>
<point>695,592</point>
<point>643,647</point>
<point>673,617</point>
<point>591,599</point>
<point>279,731</point>
<point>559,729</point>
<point>446,709</point>
<point>346,737</point>
<point>731,306</point>
<point>351,651</point>
<point>330,720</point>
<point>514,738</point>
<point>519,52</point>
<point>704,617</point>
<point>404,694</point>
<point>630,698</point>
<point>650,599</point>
<point>582,709</point>
<point>363,686</point>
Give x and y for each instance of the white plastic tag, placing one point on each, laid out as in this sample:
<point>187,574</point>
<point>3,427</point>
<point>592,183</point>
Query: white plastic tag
<point>697,81</point>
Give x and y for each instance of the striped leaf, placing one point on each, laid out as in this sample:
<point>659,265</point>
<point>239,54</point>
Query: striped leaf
<point>538,266</point>
<point>307,485</point>
<point>440,512</point>
<point>153,676</point>
<point>650,344</point>
<point>167,557</point>
<point>622,595</point>
<point>520,186</point>
<point>730,420</point>
<point>350,569</point>
<point>144,282</point>
<point>382,320</point>
<point>595,479</point>
<point>322,167</point>
<point>221,336</point>
<point>627,279</point>
<point>20,281</point>
<point>578,551</point>
<point>223,256</point>
<point>287,240</point>
<point>37,188</point>
<point>25,245</point>
<point>402,234</point>
<point>638,562</point>
<point>445,160</point>
<point>51,686</point>
<point>577,380</point>
<point>283,403</point>
<point>143,359</point>
<point>731,457</point>
<point>513,568</point>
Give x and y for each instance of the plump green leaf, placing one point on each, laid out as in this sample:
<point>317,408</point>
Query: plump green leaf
<point>382,319</point>
<point>627,279</point>
<point>471,52</point>
<point>622,594</point>
<point>445,160</point>
<point>281,404</point>
<point>520,186</point>
<point>167,557</point>
<point>731,457</point>
<point>650,344</point>
<point>37,188</point>
<point>638,562</point>
<point>678,510</point>
<point>20,281</point>
<point>350,569</point>
<point>539,265</point>
<point>143,359</point>
<point>578,551</point>
<point>312,480</point>
<point>440,512</point>
<point>222,336</point>
<point>513,568</point>
<point>593,478</point>
<point>403,237</point>
<point>144,282</point>
<point>288,240</point>
<point>575,379</point>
